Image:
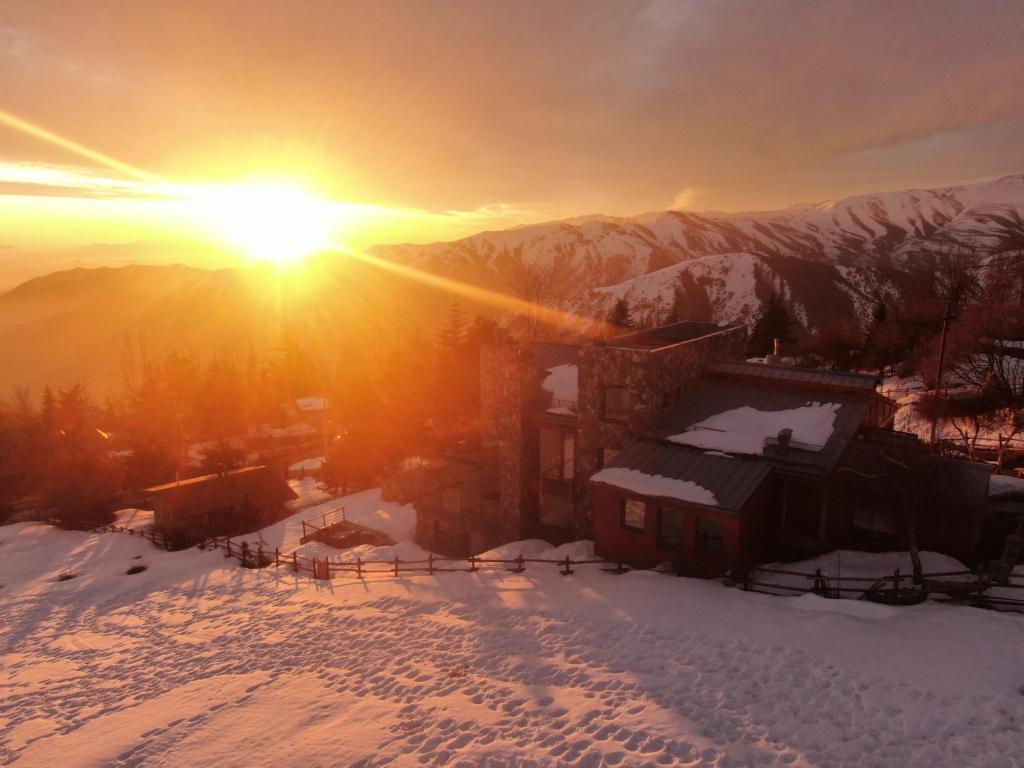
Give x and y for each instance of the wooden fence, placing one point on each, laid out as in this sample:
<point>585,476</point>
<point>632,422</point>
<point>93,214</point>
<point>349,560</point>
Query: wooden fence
<point>896,588</point>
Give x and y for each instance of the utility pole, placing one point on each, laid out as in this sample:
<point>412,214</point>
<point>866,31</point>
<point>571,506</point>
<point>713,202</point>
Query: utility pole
<point>942,356</point>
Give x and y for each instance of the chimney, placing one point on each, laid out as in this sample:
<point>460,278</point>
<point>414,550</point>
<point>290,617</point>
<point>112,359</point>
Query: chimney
<point>784,438</point>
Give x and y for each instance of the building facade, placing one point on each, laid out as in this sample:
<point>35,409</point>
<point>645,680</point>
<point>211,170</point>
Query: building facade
<point>551,415</point>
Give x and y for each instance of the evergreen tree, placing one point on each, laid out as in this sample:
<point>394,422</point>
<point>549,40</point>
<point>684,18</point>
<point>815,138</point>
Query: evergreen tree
<point>773,321</point>
<point>452,336</point>
<point>621,315</point>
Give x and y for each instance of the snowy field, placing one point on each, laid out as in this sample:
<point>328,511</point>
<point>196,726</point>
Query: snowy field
<point>196,662</point>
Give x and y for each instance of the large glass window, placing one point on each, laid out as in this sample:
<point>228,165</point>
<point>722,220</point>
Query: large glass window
<point>634,514</point>
<point>710,534</point>
<point>670,528</point>
<point>557,452</point>
<point>614,403</point>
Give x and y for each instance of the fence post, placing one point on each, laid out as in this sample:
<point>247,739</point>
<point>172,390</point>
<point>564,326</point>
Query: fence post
<point>896,581</point>
<point>359,567</point>
<point>430,564</point>
<point>520,566</point>
<point>473,564</point>
<point>295,561</point>
<point>259,554</point>
<point>277,556</point>
<point>566,567</point>
<point>396,566</point>
<point>303,529</point>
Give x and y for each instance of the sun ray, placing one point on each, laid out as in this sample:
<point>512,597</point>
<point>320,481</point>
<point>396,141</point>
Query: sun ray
<point>551,316</point>
<point>19,124</point>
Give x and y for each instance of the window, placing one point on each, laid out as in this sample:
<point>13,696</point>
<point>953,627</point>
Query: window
<point>634,512</point>
<point>614,403</point>
<point>557,451</point>
<point>607,454</point>
<point>670,528</point>
<point>710,534</point>
<point>568,456</point>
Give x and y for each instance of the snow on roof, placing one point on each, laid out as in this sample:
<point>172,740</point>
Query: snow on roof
<point>1002,485</point>
<point>655,485</point>
<point>746,430</point>
<point>562,382</point>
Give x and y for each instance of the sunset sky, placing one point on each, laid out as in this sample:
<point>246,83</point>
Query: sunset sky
<point>430,120</point>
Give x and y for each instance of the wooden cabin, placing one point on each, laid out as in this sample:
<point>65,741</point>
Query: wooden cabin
<point>225,504</point>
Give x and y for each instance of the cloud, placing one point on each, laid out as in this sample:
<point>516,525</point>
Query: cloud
<point>684,199</point>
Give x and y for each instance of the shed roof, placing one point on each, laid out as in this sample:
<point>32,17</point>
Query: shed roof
<point>258,486</point>
<point>731,480</point>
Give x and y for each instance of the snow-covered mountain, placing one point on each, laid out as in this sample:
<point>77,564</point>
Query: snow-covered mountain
<point>830,260</point>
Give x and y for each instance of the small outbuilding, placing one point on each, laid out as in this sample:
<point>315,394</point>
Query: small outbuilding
<point>224,504</point>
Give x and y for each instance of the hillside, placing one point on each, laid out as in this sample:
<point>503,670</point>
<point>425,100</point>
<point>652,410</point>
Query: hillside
<point>195,661</point>
<point>830,260</point>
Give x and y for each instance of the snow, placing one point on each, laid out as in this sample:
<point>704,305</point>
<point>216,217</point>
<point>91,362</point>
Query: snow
<point>136,519</point>
<point>746,430</point>
<point>850,564</point>
<point>907,391</point>
<point>562,382</point>
<point>999,485</point>
<point>301,429</point>
<point>196,661</point>
<point>655,485</point>
<point>309,491</point>
<point>366,508</point>
<point>560,411</point>
<point>307,465</point>
<point>311,404</point>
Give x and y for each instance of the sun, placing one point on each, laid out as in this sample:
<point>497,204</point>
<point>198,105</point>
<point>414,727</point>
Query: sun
<point>276,222</point>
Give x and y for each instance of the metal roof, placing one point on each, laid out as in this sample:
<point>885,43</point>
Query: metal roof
<point>731,480</point>
<point>712,396</point>
<point>788,375</point>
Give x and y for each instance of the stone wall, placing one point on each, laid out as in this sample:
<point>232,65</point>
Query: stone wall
<point>505,376</point>
<point>655,381</point>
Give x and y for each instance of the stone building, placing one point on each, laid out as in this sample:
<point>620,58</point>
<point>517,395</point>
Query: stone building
<point>551,415</point>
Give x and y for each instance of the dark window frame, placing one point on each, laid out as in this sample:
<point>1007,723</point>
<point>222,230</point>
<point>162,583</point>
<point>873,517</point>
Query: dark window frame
<point>702,539</point>
<point>678,546</point>
<point>619,417</point>
<point>566,465</point>
<point>626,500</point>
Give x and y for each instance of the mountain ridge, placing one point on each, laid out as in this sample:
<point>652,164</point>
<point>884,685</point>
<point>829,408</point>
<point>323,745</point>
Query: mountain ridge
<point>833,260</point>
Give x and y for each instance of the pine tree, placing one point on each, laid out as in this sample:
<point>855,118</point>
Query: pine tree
<point>621,315</point>
<point>773,321</point>
<point>452,336</point>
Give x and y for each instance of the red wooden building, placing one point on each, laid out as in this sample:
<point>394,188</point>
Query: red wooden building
<point>763,462</point>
